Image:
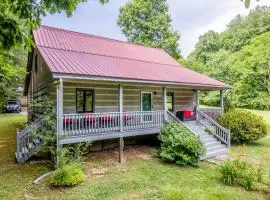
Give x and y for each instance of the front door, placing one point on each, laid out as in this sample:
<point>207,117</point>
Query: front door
<point>146,105</point>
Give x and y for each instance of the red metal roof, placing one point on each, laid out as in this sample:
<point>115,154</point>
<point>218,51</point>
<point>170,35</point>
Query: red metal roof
<point>68,52</point>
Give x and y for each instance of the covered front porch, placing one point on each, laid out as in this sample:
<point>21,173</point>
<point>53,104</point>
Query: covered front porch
<point>137,109</point>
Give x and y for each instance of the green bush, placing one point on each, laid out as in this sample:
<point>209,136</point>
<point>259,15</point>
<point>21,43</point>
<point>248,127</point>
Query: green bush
<point>236,172</point>
<point>68,175</point>
<point>179,145</point>
<point>245,126</point>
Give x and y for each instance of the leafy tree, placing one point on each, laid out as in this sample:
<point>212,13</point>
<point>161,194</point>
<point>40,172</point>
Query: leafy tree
<point>251,71</point>
<point>239,33</point>
<point>148,22</point>
<point>12,72</point>
<point>208,43</point>
<point>241,29</point>
<point>224,57</point>
<point>18,17</point>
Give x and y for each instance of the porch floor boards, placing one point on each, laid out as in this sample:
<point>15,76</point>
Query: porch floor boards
<point>107,135</point>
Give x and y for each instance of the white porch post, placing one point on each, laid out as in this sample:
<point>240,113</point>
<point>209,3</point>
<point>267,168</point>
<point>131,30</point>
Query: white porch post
<point>197,98</point>
<point>120,91</point>
<point>221,101</point>
<point>59,113</point>
<point>197,103</point>
<point>164,103</point>
<point>121,139</point>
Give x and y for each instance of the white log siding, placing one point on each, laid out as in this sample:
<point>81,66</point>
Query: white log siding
<point>40,84</point>
<point>106,96</point>
<point>183,98</point>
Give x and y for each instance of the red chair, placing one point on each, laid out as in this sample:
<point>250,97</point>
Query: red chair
<point>106,118</point>
<point>90,119</point>
<point>68,120</point>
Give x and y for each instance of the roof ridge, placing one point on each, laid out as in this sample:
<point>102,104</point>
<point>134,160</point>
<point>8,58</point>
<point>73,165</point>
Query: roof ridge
<point>97,54</point>
<point>102,37</point>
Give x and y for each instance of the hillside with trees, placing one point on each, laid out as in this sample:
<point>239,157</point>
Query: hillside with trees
<point>239,56</point>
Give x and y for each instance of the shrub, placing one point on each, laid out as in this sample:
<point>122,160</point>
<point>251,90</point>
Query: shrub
<point>68,175</point>
<point>245,126</point>
<point>238,173</point>
<point>179,145</point>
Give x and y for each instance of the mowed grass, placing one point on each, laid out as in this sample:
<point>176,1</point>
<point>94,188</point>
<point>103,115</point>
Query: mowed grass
<point>15,179</point>
<point>141,178</point>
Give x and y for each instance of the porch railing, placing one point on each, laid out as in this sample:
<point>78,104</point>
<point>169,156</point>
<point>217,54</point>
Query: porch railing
<point>212,112</point>
<point>172,118</point>
<point>213,127</point>
<point>97,123</point>
<point>28,143</point>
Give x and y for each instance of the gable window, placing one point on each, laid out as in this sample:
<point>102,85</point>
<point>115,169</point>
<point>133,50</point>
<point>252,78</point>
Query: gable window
<point>170,100</point>
<point>84,101</point>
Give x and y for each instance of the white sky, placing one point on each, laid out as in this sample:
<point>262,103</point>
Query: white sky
<point>190,17</point>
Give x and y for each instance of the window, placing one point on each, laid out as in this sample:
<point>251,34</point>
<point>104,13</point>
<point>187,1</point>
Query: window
<point>169,103</point>
<point>84,101</point>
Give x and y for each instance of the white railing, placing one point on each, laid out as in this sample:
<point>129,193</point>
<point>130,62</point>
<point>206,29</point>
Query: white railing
<point>213,127</point>
<point>28,143</point>
<point>97,123</point>
<point>212,112</point>
<point>172,118</point>
<point>142,120</point>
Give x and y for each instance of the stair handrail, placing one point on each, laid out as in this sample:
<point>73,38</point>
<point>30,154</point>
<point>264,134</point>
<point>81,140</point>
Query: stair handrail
<point>178,120</point>
<point>33,125</point>
<point>214,127</point>
<point>24,135</point>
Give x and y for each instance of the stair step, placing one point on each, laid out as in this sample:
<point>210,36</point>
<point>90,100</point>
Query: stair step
<point>214,153</point>
<point>25,150</point>
<point>215,148</point>
<point>36,141</point>
<point>209,140</point>
<point>30,145</point>
<point>212,144</point>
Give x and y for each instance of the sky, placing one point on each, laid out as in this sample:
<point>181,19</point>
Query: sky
<point>191,18</point>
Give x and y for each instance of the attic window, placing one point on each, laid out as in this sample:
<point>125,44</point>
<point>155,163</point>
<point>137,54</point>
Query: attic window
<point>36,64</point>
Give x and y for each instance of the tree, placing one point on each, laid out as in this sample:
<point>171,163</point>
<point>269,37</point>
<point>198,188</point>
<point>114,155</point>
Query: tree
<point>230,57</point>
<point>12,73</point>
<point>19,17</point>
<point>208,43</point>
<point>251,71</point>
<point>148,22</point>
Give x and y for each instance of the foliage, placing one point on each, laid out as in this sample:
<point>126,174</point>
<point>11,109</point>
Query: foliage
<point>239,56</point>
<point>18,18</point>
<point>68,175</point>
<point>12,72</point>
<point>247,174</point>
<point>149,23</point>
<point>251,70</point>
<point>245,126</point>
<point>237,172</point>
<point>179,145</point>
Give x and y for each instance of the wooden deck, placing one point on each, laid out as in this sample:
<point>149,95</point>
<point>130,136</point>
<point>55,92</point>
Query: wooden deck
<point>108,135</point>
<point>110,125</point>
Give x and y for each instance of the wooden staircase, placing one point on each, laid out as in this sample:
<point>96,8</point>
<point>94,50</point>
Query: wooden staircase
<point>27,143</point>
<point>215,138</point>
<point>213,146</point>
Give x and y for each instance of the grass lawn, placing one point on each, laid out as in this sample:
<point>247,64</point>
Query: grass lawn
<point>143,177</point>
